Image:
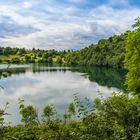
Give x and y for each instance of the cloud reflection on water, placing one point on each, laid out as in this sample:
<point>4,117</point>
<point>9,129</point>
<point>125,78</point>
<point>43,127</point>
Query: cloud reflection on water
<point>43,88</point>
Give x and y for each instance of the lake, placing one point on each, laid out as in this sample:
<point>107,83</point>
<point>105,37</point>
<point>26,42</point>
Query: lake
<point>40,85</point>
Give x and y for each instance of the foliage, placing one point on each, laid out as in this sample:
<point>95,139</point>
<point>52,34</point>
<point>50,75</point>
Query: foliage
<point>132,59</point>
<point>28,113</point>
<point>22,55</point>
<point>116,117</point>
<point>48,113</point>
<point>109,52</point>
<point>2,114</point>
<point>71,112</point>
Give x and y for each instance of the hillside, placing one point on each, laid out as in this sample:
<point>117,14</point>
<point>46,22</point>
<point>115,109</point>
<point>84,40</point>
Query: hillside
<point>107,52</point>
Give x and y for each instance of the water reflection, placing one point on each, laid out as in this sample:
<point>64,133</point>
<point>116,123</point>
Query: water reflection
<point>41,85</point>
<point>108,77</point>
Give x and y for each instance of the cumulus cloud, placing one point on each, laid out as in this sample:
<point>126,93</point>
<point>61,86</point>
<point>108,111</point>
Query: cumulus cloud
<point>63,26</point>
<point>27,5</point>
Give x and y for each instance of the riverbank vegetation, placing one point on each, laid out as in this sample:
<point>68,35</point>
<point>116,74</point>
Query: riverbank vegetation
<point>114,118</point>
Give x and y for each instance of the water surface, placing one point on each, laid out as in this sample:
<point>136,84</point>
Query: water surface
<point>40,85</point>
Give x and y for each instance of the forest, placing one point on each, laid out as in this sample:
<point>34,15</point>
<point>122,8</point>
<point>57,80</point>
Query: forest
<point>107,52</point>
<point>114,118</point>
<point>22,55</point>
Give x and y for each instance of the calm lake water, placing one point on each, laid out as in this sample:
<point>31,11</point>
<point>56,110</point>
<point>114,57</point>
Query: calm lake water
<point>40,85</point>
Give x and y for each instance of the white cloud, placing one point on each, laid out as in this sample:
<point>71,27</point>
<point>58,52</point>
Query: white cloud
<point>27,5</point>
<point>20,19</point>
<point>64,27</point>
<point>58,38</point>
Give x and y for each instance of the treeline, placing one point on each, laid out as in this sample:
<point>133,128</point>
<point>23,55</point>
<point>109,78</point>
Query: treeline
<point>22,55</point>
<point>107,52</point>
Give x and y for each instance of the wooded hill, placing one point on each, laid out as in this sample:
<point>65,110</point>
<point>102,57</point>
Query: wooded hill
<point>107,52</point>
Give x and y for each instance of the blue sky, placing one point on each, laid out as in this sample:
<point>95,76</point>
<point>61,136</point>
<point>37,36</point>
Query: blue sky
<point>63,24</point>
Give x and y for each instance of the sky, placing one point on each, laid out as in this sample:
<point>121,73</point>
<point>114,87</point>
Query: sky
<point>63,24</point>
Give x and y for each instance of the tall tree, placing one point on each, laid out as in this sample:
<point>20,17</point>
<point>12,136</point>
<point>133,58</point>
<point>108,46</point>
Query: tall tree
<point>132,59</point>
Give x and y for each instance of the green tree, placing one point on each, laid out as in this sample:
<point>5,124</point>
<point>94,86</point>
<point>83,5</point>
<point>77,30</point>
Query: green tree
<point>50,60</point>
<point>116,117</point>
<point>59,60</point>
<point>71,110</point>
<point>2,114</point>
<point>48,112</point>
<point>28,113</point>
<point>132,59</point>
<point>15,60</point>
